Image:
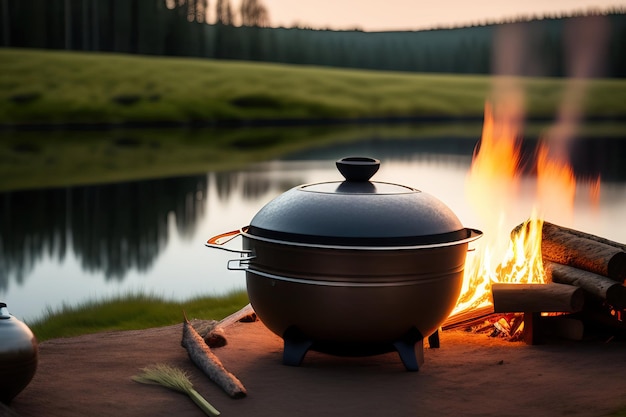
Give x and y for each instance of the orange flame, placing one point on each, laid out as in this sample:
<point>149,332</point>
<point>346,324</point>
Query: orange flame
<point>556,184</point>
<point>522,262</point>
<point>493,177</point>
<point>492,184</point>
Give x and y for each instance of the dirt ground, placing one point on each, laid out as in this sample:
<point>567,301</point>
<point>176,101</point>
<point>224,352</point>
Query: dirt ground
<point>469,375</point>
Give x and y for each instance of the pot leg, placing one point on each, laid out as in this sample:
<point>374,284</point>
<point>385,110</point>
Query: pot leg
<point>411,349</point>
<point>296,345</point>
<point>433,340</point>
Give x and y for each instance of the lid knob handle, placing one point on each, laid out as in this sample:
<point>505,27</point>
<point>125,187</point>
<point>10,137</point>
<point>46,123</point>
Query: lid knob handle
<point>357,168</point>
<point>4,311</point>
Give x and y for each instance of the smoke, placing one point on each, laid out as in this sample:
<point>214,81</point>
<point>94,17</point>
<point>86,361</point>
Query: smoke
<point>585,47</point>
<point>585,43</point>
<point>511,53</point>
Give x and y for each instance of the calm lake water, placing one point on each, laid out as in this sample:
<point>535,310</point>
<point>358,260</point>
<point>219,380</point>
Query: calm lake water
<point>71,245</point>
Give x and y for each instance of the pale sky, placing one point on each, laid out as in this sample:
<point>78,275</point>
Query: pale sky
<point>378,15</point>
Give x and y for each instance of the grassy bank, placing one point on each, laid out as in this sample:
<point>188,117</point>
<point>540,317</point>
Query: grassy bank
<point>131,312</point>
<point>51,87</point>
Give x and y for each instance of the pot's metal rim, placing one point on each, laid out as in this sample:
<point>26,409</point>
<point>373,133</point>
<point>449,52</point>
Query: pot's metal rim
<point>473,234</point>
<point>387,188</point>
<point>360,284</point>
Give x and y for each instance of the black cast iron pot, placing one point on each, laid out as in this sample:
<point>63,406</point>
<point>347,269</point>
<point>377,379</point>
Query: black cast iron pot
<point>352,267</point>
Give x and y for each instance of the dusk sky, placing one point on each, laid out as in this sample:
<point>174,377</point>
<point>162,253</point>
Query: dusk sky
<point>372,15</point>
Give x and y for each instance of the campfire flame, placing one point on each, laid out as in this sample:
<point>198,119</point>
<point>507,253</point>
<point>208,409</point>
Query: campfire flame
<point>506,256</point>
<point>495,179</point>
<point>556,184</point>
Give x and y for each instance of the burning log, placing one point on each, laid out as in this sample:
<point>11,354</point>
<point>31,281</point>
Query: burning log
<point>599,286</point>
<point>525,298</point>
<point>467,318</point>
<point>579,250</point>
<point>534,299</point>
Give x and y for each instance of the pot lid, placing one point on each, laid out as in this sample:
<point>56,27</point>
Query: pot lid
<point>357,212</point>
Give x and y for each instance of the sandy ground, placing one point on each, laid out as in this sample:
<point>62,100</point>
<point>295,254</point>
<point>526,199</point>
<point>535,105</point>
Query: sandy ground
<point>469,375</point>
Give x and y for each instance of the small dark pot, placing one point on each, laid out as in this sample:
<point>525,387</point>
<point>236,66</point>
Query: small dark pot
<point>18,355</point>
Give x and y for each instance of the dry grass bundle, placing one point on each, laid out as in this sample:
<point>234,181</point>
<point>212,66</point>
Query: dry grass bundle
<point>176,379</point>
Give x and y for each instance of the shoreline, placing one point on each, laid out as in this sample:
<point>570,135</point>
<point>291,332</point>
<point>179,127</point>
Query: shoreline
<point>212,124</point>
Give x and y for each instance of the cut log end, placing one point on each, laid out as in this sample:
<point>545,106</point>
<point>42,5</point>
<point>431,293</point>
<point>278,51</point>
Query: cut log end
<point>617,267</point>
<point>616,296</point>
<point>541,298</point>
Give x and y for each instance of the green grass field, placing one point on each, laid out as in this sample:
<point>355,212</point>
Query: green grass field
<point>61,87</point>
<point>52,87</point>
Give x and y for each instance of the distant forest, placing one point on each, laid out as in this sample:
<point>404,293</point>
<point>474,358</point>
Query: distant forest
<point>190,28</point>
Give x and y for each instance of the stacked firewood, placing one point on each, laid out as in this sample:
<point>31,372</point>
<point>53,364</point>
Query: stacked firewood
<point>585,289</point>
<point>585,293</point>
<point>594,264</point>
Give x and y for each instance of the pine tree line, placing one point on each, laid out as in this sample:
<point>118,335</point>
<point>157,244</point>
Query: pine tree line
<point>200,28</point>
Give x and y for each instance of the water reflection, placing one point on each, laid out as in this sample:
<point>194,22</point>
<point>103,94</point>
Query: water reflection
<point>111,228</point>
<point>31,224</point>
<point>149,234</point>
<point>590,157</point>
<point>397,149</point>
